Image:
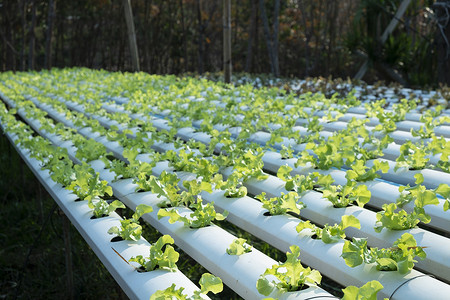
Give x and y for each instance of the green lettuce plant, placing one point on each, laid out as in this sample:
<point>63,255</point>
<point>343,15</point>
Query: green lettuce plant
<point>399,258</point>
<point>239,247</point>
<point>129,228</point>
<point>330,234</point>
<point>158,258</point>
<point>208,283</point>
<point>290,275</point>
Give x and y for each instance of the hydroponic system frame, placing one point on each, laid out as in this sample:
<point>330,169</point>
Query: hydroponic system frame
<point>232,147</point>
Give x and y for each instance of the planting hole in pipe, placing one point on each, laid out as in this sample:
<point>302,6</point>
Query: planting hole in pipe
<point>116,239</point>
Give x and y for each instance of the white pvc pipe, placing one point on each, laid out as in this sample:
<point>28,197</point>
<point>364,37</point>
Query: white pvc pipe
<point>135,285</point>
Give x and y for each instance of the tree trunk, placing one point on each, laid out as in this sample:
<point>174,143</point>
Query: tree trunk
<point>271,41</point>
<point>49,38</point>
<point>31,55</point>
<point>276,26</point>
<point>442,42</point>
<point>131,35</point>
<point>23,10</point>
<point>200,38</point>
<point>262,10</point>
<point>227,40</point>
<point>183,28</point>
<point>307,36</point>
<point>251,36</point>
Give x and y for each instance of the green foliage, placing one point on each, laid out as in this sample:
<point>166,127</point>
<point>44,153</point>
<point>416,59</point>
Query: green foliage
<point>411,157</point>
<point>87,184</point>
<point>399,220</point>
<point>290,275</point>
<point>164,260</point>
<point>89,149</point>
<point>281,205</point>
<point>330,234</point>
<point>360,172</point>
<point>398,258</point>
<point>202,216</point>
<point>250,165</point>
<point>208,283</point>
<point>62,171</point>
<point>165,185</point>
<point>328,156</point>
<point>102,208</point>
<point>303,183</point>
<point>444,191</point>
<point>343,196</point>
<point>286,152</point>
<point>129,228</point>
<point>133,168</point>
<point>368,291</point>
<point>440,146</point>
<point>239,247</point>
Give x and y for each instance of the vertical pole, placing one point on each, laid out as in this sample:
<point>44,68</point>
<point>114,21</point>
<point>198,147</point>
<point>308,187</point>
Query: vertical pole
<point>442,40</point>
<point>49,37</point>
<point>227,40</point>
<point>68,248</point>
<point>31,54</point>
<point>131,35</point>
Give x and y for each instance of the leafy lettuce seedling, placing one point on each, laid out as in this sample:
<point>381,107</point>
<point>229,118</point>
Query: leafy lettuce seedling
<point>444,191</point>
<point>202,216</point>
<point>331,234</point>
<point>343,196</point>
<point>87,184</point>
<point>102,208</point>
<point>398,258</point>
<point>412,157</point>
<point>208,283</point>
<point>290,275</point>
<point>133,168</point>
<point>250,165</point>
<point>360,172</point>
<point>165,260</point>
<point>368,291</point>
<point>130,229</point>
<point>281,205</point>
<point>399,220</point>
<point>286,152</point>
<point>239,247</point>
<point>302,183</point>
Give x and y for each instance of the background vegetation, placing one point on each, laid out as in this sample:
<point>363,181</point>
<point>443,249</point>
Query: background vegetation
<point>309,37</point>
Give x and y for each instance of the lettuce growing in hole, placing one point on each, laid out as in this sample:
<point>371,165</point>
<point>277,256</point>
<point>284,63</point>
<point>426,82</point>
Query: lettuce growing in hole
<point>343,196</point>
<point>239,247</point>
<point>101,208</point>
<point>208,283</point>
<point>202,216</point>
<point>368,291</point>
<point>281,205</point>
<point>161,256</point>
<point>330,234</point>
<point>130,228</point>
<point>392,219</point>
<point>399,258</point>
<point>290,276</point>
<point>87,184</point>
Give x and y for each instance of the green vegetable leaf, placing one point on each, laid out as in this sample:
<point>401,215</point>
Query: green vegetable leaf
<point>368,291</point>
